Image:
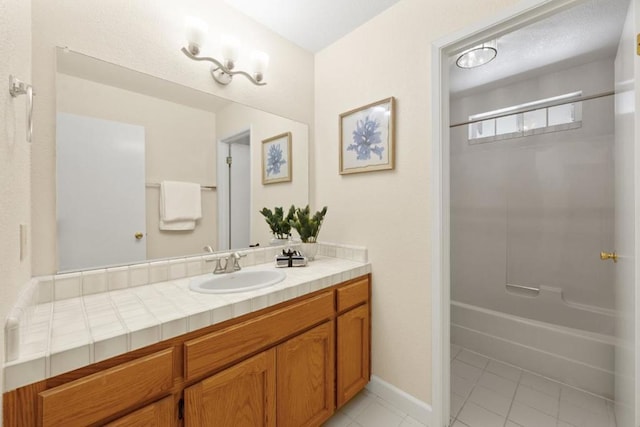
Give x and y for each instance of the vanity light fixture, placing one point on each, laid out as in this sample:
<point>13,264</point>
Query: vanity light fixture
<point>478,55</point>
<point>223,71</point>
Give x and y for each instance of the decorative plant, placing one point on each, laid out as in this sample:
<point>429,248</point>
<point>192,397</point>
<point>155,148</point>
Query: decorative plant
<point>279,224</point>
<point>308,226</point>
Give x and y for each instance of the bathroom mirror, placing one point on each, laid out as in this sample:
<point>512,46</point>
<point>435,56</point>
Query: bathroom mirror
<point>120,133</point>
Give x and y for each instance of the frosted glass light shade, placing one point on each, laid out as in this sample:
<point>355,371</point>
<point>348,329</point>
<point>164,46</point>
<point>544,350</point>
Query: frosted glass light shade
<point>478,55</point>
<point>229,48</point>
<point>196,33</point>
<point>259,62</point>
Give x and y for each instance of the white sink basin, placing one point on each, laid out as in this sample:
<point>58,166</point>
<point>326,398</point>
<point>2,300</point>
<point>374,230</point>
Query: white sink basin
<point>239,281</point>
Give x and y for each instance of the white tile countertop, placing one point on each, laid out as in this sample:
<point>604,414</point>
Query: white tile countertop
<point>64,334</point>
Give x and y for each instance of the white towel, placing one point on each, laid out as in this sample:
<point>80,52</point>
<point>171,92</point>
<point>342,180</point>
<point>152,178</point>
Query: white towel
<point>177,225</point>
<point>180,205</point>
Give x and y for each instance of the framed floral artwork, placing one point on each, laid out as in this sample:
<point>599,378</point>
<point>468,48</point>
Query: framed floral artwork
<point>276,159</point>
<point>367,138</point>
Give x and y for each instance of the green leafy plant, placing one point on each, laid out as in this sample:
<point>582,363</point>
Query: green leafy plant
<point>279,224</point>
<point>306,225</point>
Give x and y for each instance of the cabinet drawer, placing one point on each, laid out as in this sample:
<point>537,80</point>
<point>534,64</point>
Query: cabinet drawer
<point>98,396</point>
<point>213,351</point>
<point>353,294</point>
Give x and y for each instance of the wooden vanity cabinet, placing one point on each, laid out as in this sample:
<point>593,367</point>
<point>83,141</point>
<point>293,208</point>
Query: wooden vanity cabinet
<point>305,380</point>
<point>242,395</point>
<point>157,414</point>
<point>89,400</point>
<point>290,385</point>
<point>294,386</point>
<point>353,340</point>
<point>289,365</point>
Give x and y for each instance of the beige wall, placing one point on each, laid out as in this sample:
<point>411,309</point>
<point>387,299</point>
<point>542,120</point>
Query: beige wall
<point>15,156</point>
<point>146,36</point>
<point>236,118</point>
<point>179,146</point>
<point>389,211</point>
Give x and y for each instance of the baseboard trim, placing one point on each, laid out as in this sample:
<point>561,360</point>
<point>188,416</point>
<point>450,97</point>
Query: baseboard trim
<point>404,401</point>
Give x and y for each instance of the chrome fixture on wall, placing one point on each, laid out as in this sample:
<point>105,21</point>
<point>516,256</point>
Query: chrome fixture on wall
<point>223,71</point>
<point>18,87</point>
<point>478,55</point>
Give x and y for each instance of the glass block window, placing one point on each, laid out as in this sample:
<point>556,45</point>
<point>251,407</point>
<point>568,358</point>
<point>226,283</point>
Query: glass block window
<point>482,129</point>
<point>535,119</point>
<point>530,121</point>
<point>562,114</point>
<point>508,124</point>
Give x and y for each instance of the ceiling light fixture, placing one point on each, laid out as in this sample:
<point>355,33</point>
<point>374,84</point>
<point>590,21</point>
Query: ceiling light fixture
<point>478,55</point>
<point>223,71</point>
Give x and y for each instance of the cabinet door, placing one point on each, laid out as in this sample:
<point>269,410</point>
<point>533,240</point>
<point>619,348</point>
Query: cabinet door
<point>158,414</point>
<point>354,355</point>
<point>240,396</point>
<point>306,378</point>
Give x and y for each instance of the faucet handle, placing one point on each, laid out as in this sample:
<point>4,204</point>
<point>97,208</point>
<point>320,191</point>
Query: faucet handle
<point>236,257</point>
<point>219,269</point>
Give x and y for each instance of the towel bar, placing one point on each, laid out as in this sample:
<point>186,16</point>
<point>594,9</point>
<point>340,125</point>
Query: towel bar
<point>157,185</point>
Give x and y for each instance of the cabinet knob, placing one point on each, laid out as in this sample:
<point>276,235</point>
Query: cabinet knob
<point>139,235</point>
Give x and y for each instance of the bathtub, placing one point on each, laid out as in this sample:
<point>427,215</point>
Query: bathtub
<point>581,357</point>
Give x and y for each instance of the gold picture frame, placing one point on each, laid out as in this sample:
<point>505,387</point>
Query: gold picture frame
<point>276,159</point>
<point>367,140</point>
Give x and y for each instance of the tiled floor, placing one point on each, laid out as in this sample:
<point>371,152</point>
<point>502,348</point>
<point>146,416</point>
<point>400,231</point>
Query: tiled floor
<point>488,393</point>
<point>369,410</point>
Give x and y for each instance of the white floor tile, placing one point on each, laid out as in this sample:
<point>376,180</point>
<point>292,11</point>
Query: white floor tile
<point>498,384</point>
<point>411,422</point>
<point>526,416</point>
<point>580,417</point>
<point>542,384</point>
<point>466,371</point>
<point>477,416</point>
<point>389,406</point>
<point>473,359</point>
<point>584,400</point>
<point>456,403</point>
<point>483,405</point>
<point>537,400</point>
<point>503,370</point>
<point>377,415</point>
<point>460,386</point>
<point>490,400</point>
<point>571,413</point>
<point>338,420</point>
<point>357,405</point>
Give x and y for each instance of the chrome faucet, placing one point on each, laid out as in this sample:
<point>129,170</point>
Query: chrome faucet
<point>231,264</point>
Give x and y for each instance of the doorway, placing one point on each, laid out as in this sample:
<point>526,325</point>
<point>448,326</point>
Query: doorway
<point>234,191</point>
<point>443,50</point>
